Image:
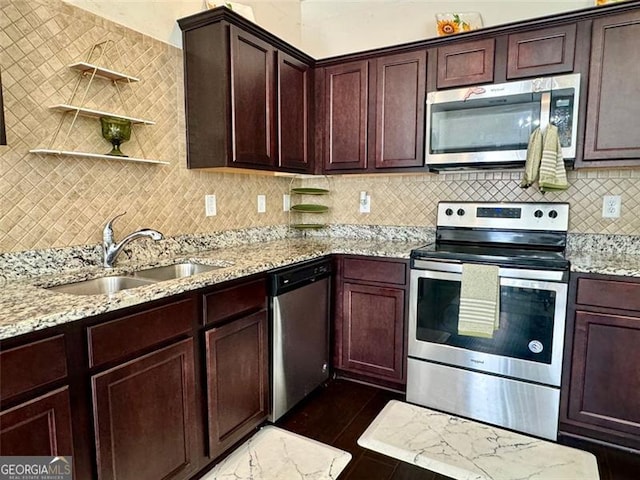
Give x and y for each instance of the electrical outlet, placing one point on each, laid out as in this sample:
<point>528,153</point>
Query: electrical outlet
<point>262,203</point>
<point>210,208</point>
<point>611,206</point>
<point>365,202</point>
<point>286,202</point>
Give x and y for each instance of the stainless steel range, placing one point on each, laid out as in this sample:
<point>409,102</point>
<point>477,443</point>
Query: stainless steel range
<point>513,378</point>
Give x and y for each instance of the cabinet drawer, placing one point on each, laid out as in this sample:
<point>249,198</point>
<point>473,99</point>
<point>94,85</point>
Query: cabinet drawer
<point>116,339</point>
<point>32,365</point>
<point>607,293</point>
<point>375,270</point>
<point>235,301</point>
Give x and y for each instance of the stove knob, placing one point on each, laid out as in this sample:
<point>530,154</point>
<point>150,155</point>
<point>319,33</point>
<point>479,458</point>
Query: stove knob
<point>448,212</point>
<point>553,214</point>
<point>538,214</point>
<point>460,211</point>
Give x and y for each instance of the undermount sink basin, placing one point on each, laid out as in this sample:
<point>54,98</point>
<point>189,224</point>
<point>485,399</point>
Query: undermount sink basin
<point>102,286</point>
<point>171,272</point>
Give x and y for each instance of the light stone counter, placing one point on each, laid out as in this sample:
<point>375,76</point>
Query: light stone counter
<point>627,265</point>
<point>467,450</point>
<point>26,307</point>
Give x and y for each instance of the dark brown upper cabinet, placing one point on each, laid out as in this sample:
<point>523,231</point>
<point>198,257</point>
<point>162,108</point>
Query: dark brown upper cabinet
<point>374,113</point>
<point>613,100</point>
<point>541,52</point>
<point>293,90</point>
<point>466,63</point>
<point>252,105</point>
<point>400,101</point>
<point>345,106</point>
<point>247,96</point>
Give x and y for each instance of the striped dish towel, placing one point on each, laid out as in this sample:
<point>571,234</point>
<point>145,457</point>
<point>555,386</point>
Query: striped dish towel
<point>534,154</point>
<point>479,300</point>
<point>552,172</point>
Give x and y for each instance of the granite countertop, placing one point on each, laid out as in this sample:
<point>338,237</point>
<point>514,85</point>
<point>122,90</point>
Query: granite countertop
<point>25,306</point>
<point>606,263</point>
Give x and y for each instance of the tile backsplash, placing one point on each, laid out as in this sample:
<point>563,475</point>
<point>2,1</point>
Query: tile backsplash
<point>412,199</point>
<point>49,201</point>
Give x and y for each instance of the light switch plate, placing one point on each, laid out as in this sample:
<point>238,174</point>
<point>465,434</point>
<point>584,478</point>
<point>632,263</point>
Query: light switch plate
<point>210,208</point>
<point>611,206</point>
<point>262,203</point>
<point>286,202</point>
<point>365,202</point>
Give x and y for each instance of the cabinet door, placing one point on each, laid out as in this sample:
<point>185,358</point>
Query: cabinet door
<point>605,378</point>
<point>346,96</point>
<point>253,117</point>
<point>613,105</point>
<point>467,63</point>
<point>40,427</point>
<point>293,113</point>
<point>237,380</point>
<point>373,330</point>
<point>400,100</point>
<point>541,52</point>
<point>144,414</point>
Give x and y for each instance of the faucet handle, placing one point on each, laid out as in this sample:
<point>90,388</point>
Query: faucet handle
<point>107,233</point>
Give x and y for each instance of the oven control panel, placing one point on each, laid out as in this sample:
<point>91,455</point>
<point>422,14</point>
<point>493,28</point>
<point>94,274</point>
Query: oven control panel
<point>547,216</point>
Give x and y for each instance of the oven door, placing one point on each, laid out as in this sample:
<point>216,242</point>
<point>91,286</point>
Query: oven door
<point>528,345</point>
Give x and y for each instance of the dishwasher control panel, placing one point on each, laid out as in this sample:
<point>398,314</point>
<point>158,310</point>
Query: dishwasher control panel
<point>295,276</point>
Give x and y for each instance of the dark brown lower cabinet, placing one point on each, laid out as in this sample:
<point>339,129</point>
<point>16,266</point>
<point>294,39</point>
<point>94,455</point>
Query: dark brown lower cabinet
<point>370,320</point>
<point>373,330</point>
<point>237,379</point>
<point>601,389</point>
<point>41,426</point>
<point>144,414</point>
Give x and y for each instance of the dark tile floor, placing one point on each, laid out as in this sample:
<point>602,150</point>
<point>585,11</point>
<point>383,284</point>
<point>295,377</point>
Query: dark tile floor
<point>339,412</point>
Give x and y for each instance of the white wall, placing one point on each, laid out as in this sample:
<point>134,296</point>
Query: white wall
<point>336,27</point>
<point>324,28</point>
<point>157,18</point>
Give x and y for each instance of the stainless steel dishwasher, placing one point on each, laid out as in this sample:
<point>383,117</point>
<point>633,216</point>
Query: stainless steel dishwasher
<point>299,330</point>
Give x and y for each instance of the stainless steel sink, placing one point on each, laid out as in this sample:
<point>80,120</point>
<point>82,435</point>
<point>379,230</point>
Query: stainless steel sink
<point>102,286</point>
<point>171,272</point>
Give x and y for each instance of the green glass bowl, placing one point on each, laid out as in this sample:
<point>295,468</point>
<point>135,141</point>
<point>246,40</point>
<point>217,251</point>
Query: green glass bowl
<point>116,130</point>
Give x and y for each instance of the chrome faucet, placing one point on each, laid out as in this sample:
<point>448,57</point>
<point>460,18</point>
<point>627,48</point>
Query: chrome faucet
<point>111,249</point>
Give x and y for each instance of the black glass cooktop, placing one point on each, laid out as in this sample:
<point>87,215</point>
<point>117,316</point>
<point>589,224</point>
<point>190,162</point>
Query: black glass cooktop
<point>493,255</point>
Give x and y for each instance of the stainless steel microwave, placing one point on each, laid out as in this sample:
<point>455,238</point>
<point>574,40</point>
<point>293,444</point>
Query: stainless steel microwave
<point>489,125</point>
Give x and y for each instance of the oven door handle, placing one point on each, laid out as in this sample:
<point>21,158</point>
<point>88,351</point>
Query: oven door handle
<point>432,269</point>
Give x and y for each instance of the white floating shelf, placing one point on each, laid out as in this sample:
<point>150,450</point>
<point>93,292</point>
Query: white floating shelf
<point>88,112</point>
<point>46,151</point>
<point>89,68</point>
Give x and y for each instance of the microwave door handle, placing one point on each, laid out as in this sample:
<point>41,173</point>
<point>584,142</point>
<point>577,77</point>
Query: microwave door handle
<point>545,110</point>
